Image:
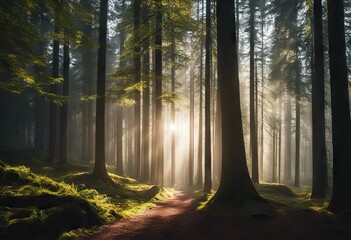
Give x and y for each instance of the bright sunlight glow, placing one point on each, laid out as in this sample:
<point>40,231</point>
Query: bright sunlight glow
<point>172,127</point>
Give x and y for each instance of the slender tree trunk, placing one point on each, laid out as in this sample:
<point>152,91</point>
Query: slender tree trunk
<point>235,183</point>
<point>173,63</point>
<point>280,137</point>
<point>320,174</point>
<point>154,133</point>
<point>99,170</point>
<point>297,135</point>
<point>341,124</point>
<point>146,102</point>
<point>39,117</point>
<point>208,160</point>
<point>262,89</point>
<point>158,76</point>
<point>53,107</point>
<point>191,129</point>
<point>287,157</point>
<point>87,105</point>
<point>130,143</point>
<point>119,141</point>
<point>119,111</point>
<point>64,108</point>
<point>253,132</point>
<point>137,79</point>
<point>199,180</point>
<point>274,151</point>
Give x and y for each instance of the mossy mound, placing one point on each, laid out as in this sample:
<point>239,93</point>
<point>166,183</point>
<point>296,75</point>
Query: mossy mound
<point>36,207</point>
<point>128,195</point>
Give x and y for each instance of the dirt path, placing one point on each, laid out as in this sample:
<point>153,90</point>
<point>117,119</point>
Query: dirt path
<point>176,219</point>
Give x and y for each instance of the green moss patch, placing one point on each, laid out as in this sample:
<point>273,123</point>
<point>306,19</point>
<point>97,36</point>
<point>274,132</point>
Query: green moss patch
<point>37,207</point>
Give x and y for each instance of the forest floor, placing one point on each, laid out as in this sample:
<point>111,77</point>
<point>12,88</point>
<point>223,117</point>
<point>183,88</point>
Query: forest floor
<point>288,213</point>
<point>177,218</point>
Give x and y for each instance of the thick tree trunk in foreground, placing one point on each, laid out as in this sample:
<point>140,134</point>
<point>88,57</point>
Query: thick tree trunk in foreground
<point>341,125</point>
<point>320,175</point>
<point>235,183</point>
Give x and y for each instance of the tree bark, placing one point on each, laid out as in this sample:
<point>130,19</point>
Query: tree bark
<point>64,108</point>
<point>235,183</point>
<point>253,132</point>
<point>208,159</point>
<point>191,129</point>
<point>199,181</point>
<point>146,102</point>
<point>158,76</point>
<point>287,155</point>
<point>99,170</point>
<point>341,125</point>
<point>53,107</point>
<point>173,63</point>
<point>320,174</point>
<point>137,79</point>
<point>297,135</point>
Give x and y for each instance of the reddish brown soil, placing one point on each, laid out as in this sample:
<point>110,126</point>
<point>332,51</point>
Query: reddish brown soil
<point>176,219</point>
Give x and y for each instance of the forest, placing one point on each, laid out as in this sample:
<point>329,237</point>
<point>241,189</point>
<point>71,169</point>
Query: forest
<point>175,119</point>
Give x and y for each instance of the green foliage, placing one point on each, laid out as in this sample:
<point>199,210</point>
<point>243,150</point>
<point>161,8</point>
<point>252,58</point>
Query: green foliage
<point>26,30</point>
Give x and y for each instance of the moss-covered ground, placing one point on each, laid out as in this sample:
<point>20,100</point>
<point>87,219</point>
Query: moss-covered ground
<point>45,202</point>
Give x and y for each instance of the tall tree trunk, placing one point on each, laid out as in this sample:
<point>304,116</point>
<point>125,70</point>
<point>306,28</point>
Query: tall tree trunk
<point>235,183</point>
<point>130,150</point>
<point>297,134</point>
<point>39,117</point>
<point>119,141</point>
<point>287,155</point>
<point>173,63</point>
<point>341,124</point>
<point>154,133</point>
<point>262,89</point>
<point>64,107</point>
<point>253,132</point>
<point>137,78</point>
<point>99,170</point>
<point>280,137</point>
<point>208,160</point>
<point>87,105</point>
<point>158,76</point>
<point>320,174</point>
<point>199,180</point>
<point>146,101</point>
<point>274,151</point>
<point>53,107</point>
<point>191,129</point>
<point>119,111</point>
